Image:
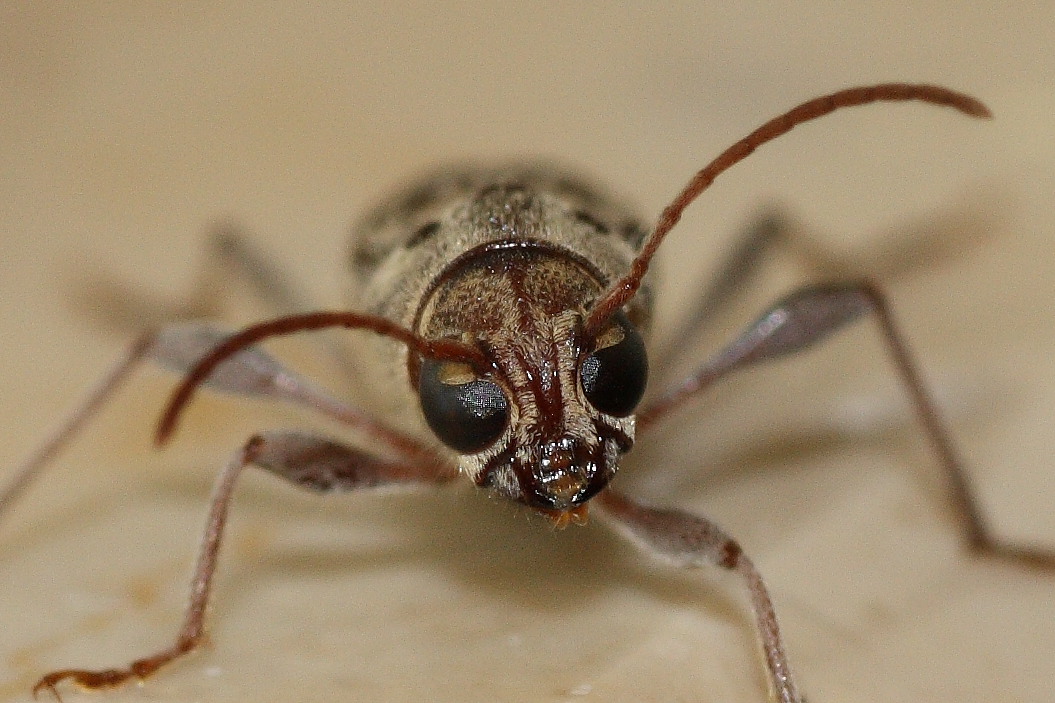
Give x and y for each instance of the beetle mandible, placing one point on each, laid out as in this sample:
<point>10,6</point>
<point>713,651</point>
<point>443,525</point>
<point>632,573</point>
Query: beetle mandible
<point>515,300</point>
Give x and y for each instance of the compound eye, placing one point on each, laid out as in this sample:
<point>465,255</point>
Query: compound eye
<point>467,413</point>
<point>613,376</point>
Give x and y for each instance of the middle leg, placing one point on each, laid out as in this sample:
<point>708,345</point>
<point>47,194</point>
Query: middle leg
<point>808,316</point>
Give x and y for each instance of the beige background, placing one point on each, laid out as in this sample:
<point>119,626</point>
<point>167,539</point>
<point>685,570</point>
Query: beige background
<point>126,131</point>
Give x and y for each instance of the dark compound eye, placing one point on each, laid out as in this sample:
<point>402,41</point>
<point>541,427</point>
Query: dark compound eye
<point>467,413</point>
<point>613,377</point>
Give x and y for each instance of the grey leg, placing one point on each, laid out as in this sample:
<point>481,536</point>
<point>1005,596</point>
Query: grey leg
<point>228,258</point>
<point>905,249</point>
<point>312,462</point>
<point>251,373</point>
<point>692,541</point>
<point>235,253</point>
<point>808,316</point>
<point>265,276</point>
<point>733,273</point>
<point>72,424</point>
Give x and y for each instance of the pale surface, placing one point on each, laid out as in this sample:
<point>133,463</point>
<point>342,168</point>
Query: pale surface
<point>125,133</point>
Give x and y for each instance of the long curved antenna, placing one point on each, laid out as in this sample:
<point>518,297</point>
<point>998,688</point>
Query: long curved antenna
<point>445,349</point>
<point>620,293</point>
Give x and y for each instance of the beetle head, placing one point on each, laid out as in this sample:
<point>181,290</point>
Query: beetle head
<point>545,426</point>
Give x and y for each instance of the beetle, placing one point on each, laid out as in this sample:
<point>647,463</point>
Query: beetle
<point>511,305</point>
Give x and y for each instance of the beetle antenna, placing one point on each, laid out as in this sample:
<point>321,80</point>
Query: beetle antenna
<point>442,349</point>
<point>620,293</point>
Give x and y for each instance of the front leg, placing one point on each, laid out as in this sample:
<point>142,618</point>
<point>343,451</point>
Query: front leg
<point>691,541</point>
<point>305,460</point>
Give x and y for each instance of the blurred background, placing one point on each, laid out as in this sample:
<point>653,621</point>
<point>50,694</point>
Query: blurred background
<point>128,131</point>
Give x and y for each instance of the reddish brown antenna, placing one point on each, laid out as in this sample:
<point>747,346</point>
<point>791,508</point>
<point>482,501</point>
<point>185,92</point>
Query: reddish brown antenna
<point>444,349</point>
<point>624,289</point>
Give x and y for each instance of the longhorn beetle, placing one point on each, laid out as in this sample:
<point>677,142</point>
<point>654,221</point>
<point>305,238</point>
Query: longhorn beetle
<point>515,300</point>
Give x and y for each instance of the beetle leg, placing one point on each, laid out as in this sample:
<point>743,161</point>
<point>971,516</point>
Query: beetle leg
<point>691,541</point>
<point>731,275</point>
<point>251,373</point>
<point>809,315</point>
<point>312,462</point>
<point>227,258</point>
<point>92,402</point>
<point>271,283</point>
<point>903,250</point>
<point>265,276</point>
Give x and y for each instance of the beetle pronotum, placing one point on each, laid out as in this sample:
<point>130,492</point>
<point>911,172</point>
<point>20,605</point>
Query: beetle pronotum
<point>515,300</point>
